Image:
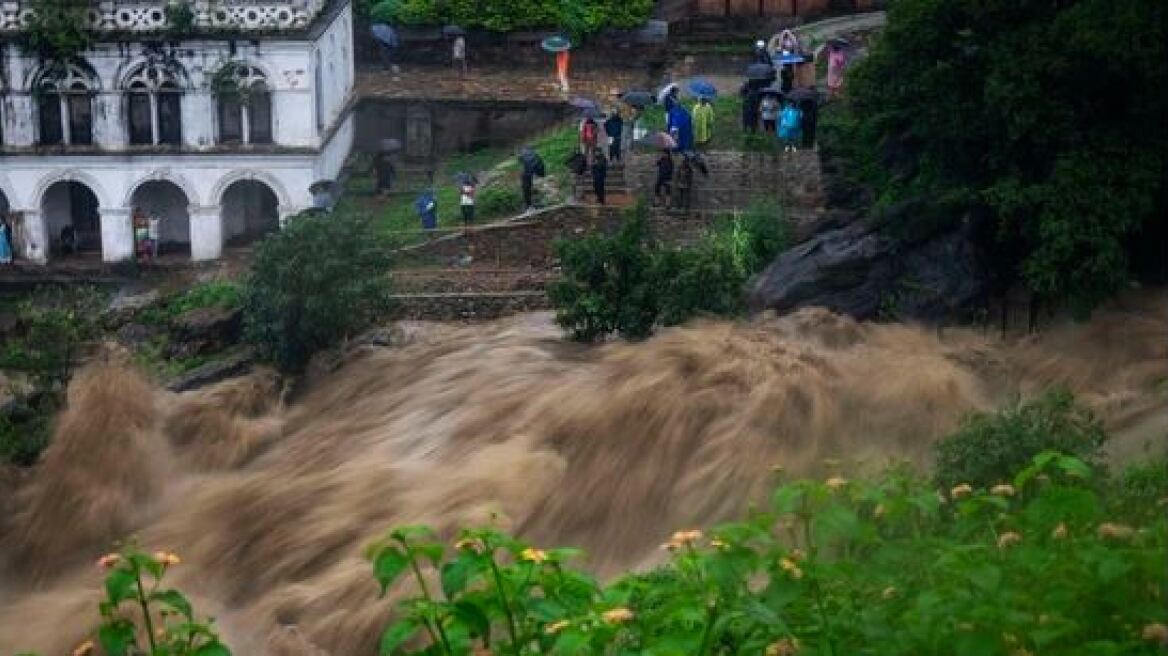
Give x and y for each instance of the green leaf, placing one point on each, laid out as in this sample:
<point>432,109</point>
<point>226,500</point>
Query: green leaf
<point>214,648</point>
<point>117,637</point>
<point>397,635</point>
<point>120,585</point>
<point>787,498</point>
<point>473,617</point>
<point>431,550</point>
<point>388,565</point>
<point>175,600</point>
<point>985,576</point>
<point>456,573</point>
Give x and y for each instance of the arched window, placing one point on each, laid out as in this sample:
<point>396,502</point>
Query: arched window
<point>153,103</point>
<point>245,105</point>
<point>65,105</point>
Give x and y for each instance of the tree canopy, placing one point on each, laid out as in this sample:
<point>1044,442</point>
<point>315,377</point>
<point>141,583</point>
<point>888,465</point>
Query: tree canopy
<point>1047,116</point>
<point>574,16</point>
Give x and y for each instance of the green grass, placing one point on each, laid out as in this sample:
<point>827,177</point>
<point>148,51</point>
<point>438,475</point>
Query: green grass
<point>396,214</point>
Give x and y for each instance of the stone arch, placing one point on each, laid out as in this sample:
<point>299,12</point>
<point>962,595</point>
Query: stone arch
<point>71,175</point>
<point>164,175</point>
<point>168,65</point>
<point>64,72</point>
<point>226,181</point>
<point>73,204</point>
<point>169,203</point>
<point>249,210</point>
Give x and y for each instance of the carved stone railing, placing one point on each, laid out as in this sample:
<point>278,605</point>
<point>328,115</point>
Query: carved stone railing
<point>208,15</point>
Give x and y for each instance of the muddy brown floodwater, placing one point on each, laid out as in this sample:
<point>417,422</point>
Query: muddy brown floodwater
<point>606,448</point>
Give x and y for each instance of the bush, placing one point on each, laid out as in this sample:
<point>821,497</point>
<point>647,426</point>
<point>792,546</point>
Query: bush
<point>321,279</point>
<point>608,285</point>
<point>499,200</point>
<point>828,567</point>
<point>629,283</point>
<point>574,16</point>
<point>223,294</point>
<point>988,447</point>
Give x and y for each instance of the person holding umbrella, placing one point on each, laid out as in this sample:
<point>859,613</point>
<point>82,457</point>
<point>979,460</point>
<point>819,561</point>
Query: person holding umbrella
<point>560,46</point>
<point>426,207</point>
<point>614,128</point>
<point>533,168</point>
<point>599,174</point>
<point>387,44</point>
<point>458,54</point>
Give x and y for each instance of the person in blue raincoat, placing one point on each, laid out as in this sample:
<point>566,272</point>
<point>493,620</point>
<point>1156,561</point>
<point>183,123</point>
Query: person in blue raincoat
<point>679,124</point>
<point>790,127</point>
<point>427,208</point>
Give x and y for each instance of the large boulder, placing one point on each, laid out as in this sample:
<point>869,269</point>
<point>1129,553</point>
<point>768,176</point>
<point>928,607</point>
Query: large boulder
<point>204,330</point>
<point>895,266</point>
<point>236,364</point>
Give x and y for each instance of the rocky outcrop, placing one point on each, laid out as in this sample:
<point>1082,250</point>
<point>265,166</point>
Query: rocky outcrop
<point>896,266</point>
<point>236,364</point>
<point>204,330</point>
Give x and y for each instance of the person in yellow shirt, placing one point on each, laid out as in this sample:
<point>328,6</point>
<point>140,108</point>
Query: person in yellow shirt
<point>703,121</point>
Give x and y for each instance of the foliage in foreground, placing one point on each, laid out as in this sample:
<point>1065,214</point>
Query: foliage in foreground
<point>1037,564</point>
<point>630,283</point>
<point>1047,116</point>
<point>317,281</point>
<point>988,446</point>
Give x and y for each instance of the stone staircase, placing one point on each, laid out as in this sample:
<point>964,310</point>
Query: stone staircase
<point>616,188</point>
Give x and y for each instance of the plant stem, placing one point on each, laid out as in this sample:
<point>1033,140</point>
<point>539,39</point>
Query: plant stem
<point>711,615</point>
<point>145,610</point>
<point>441,637</point>
<point>511,628</point>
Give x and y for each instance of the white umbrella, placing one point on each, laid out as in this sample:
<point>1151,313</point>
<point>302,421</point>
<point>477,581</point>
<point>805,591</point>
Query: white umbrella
<point>665,91</point>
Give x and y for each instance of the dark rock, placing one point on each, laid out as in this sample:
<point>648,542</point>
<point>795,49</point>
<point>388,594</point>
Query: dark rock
<point>135,334</point>
<point>127,302</point>
<point>204,330</point>
<point>9,324</point>
<point>236,364</point>
<point>872,269</point>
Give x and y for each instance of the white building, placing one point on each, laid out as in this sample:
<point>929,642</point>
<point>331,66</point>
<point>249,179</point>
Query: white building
<point>219,131</point>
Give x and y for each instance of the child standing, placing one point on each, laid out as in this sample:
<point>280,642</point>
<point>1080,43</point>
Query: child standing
<point>467,202</point>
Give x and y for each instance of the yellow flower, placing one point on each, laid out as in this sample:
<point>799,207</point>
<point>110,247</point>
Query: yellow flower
<point>473,544</point>
<point>682,539</point>
<point>1114,531</point>
<point>167,558</point>
<point>84,649</point>
<point>960,491</point>
<point>888,593</point>
<point>784,647</point>
<point>1155,633</point>
<point>791,568</point>
<point>878,511</point>
<point>617,615</point>
<point>718,544</point>
<point>109,560</point>
<point>778,469</point>
<point>1008,539</point>
<point>1002,490</point>
<point>556,627</point>
<point>1059,532</point>
<point>836,483</point>
<point>534,555</point>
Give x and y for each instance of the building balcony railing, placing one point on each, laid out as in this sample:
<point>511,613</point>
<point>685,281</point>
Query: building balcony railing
<point>208,15</point>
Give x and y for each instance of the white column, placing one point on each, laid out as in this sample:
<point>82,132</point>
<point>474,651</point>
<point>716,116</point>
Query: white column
<point>206,232</point>
<point>33,236</point>
<point>117,235</point>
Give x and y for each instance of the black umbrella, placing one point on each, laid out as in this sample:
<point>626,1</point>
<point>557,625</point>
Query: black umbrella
<point>637,98</point>
<point>592,113</point>
<point>453,30</point>
<point>760,71</point>
<point>465,178</point>
<point>582,103</point>
<point>772,90</point>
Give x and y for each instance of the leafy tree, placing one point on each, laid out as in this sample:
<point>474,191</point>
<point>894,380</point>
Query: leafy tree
<point>319,280</point>
<point>1046,114</point>
<point>574,16</point>
<point>56,29</point>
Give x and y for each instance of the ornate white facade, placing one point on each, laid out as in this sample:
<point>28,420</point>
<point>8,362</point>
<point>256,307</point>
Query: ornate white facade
<point>220,133</point>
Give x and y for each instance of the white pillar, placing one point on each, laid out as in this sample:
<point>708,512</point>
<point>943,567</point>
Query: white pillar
<point>206,232</point>
<point>32,236</point>
<point>117,235</point>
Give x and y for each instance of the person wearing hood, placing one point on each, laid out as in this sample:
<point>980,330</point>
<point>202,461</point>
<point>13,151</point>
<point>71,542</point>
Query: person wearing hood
<point>426,206</point>
<point>599,174</point>
<point>750,102</point>
<point>679,124</point>
<point>614,127</point>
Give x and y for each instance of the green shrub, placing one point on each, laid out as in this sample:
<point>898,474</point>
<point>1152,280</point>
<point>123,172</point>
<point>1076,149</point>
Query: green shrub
<point>608,285</point>
<point>574,16</point>
<point>988,447</point>
<point>499,200</point>
<point>55,322</point>
<point>827,567</point>
<point>629,283</point>
<point>319,280</point>
<point>24,436</point>
<point>223,294</point>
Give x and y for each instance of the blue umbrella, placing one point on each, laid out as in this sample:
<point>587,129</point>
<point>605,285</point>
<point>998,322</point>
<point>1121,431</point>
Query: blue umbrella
<point>790,58</point>
<point>556,44</point>
<point>385,35</point>
<point>702,89</point>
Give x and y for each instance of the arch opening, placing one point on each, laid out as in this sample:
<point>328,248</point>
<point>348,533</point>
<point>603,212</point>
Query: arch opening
<point>72,218</point>
<point>250,211</point>
<point>168,203</point>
